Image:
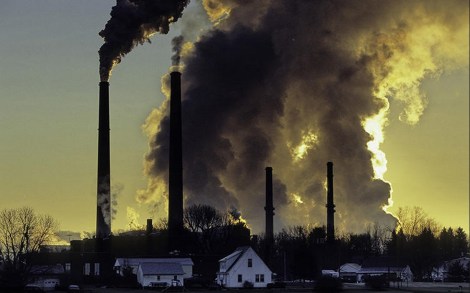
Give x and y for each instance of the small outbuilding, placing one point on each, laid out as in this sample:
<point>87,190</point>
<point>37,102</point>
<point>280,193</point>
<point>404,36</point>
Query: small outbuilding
<point>160,274</point>
<point>378,266</point>
<point>243,268</point>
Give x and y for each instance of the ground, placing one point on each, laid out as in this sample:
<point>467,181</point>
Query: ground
<point>411,287</point>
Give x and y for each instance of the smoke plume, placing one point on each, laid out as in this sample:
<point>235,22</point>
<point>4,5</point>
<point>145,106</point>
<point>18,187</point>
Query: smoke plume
<point>133,22</point>
<point>294,84</point>
<point>177,43</point>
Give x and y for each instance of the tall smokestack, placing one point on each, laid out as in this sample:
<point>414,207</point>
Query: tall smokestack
<point>103,211</point>
<point>269,205</point>
<point>175,182</point>
<point>330,207</point>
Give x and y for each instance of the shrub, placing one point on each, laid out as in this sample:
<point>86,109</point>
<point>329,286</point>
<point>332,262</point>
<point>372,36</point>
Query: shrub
<point>328,284</point>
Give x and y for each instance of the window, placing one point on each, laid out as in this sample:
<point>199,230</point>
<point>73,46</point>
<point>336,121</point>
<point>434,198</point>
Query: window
<point>259,278</point>
<point>158,278</point>
<point>67,267</point>
<point>250,262</point>
<point>86,269</point>
<point>240,279</point>
<point>97,269</point>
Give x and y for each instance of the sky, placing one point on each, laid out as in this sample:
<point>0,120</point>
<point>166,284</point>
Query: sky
<point>49,117</point>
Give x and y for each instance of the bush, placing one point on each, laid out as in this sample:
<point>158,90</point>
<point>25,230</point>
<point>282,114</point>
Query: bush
<point>377,282</point>
<point>247,285</point>
<point>328,284</point>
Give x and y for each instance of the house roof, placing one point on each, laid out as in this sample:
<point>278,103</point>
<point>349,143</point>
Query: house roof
<point>47,269</point>
<point>350,268</point>
<point>236,255</point>
<point>137,261</point>
<point>161,268</point>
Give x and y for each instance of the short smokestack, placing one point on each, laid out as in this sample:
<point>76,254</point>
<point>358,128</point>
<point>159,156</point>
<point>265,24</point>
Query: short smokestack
<point>269,208</point>
<point>103,212</point>
<point>175,200</point>
<point>330,207</point>
<point>149,228</point>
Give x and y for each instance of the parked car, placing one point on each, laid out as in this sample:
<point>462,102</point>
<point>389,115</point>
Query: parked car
<point>32,288</point>
<point>73,288</point>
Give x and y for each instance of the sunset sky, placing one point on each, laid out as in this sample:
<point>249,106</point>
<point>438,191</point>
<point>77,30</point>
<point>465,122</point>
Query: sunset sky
<point>49,118</point>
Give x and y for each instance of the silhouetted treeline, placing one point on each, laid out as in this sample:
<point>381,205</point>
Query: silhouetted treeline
<point>301,252</point>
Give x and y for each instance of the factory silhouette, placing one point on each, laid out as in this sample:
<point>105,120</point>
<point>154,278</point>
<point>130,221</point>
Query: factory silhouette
<point>96,256</point>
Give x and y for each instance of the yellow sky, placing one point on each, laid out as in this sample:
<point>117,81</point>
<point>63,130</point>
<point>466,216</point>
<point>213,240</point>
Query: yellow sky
<point>48,117</point>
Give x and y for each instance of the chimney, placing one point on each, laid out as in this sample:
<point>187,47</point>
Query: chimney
<point>149,229</point>
<point>175,200</point>
<point>103,214</point>
<point>269,205</point>
<point>330,207</point>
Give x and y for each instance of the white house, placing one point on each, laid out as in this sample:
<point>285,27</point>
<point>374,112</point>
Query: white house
<point>348,272</point>
<point>122,263</point>
<point>160,274</point>
<point>243,268</point>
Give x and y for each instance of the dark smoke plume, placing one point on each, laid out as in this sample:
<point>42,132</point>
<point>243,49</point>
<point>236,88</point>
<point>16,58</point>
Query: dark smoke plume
<point>133,22</point>
<point>177,44</point>
<point>294,84</point>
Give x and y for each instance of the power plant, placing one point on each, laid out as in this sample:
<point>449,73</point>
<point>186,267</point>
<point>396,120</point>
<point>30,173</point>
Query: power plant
<point>103,210</point>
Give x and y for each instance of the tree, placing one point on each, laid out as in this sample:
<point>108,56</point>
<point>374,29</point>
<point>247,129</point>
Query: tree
<point>461,244</point>
<point>412,221</point>
<point>22,232</point>
<point>202,218</point>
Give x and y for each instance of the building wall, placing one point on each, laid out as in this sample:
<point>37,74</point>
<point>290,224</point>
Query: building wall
<point>145,280</point>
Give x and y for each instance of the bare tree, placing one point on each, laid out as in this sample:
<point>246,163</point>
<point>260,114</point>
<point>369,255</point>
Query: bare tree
<point>412,221</point>
<point>22,231</point>
<point>202,218</point>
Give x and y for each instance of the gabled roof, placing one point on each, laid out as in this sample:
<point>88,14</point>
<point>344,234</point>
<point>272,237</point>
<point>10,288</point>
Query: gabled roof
<point>137,261</point>
<point>161,268</point>
<point>350,268</point>
<point>47,269</point>
<point>236,254</point>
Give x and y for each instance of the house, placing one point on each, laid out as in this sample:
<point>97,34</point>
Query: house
<point>160,274</point>
<point>121,264</point>
<point>46,277</point>
<point>388,266</point>
<point>243,268</point>
<point>348,272</point>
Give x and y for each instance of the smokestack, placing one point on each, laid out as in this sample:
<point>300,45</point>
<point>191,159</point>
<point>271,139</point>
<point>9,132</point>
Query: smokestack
<point>175,182</point>
<point>149,228</point>
<point>103,213</point>
<point>269,205</point>
<point>330,207</point>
